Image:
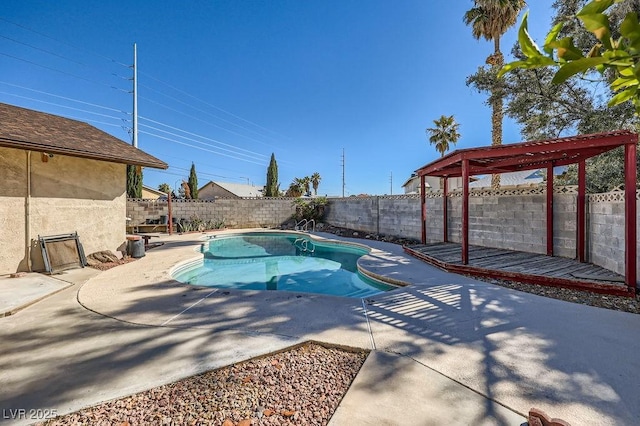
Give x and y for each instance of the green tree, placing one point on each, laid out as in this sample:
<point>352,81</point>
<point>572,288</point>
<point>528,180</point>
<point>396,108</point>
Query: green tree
<point>272,188</point>
<point>296,188</point>
<point>193,182</point>
<point>549,103</point>
<point>616,58</point>
<point>490,19</point>
<point>305,183</point>
<point>134,181</point>
<point>315,182</point>
<point>444,134</point>
<point>164,187</point>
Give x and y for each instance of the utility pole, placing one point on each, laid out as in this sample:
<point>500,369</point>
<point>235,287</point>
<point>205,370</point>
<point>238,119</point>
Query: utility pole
<point>391,181</point>
<point>342,172</point>
<point>135,95</point>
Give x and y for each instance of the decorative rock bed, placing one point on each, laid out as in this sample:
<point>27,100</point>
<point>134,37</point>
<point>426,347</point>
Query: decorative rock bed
<point>301,386</point>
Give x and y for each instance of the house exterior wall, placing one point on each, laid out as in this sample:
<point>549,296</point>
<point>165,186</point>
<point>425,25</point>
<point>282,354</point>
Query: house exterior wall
<point>68,195</point>
<point>211,191</point>
<point>432,183</point>
<point>151,195</point>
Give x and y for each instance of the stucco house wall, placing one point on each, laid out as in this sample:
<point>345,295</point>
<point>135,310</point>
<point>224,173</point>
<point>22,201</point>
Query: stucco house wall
<point>60,176</point>
<point>68,194</point>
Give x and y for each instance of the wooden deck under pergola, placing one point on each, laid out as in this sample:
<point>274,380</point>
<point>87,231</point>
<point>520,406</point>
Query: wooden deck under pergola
<point>536,155</point>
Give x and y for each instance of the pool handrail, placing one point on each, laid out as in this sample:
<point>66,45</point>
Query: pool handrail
<point>303,225</point>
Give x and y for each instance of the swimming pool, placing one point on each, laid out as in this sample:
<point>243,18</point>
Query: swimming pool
<point>283,262</point>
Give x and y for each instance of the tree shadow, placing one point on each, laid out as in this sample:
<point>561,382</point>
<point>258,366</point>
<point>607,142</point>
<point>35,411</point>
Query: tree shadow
<point>575,361</point>
<point>516,348</point>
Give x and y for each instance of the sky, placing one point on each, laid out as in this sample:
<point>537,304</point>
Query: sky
<point>341,88</point>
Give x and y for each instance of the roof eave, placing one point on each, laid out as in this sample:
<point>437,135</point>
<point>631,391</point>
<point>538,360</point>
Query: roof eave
<point>31,146</point>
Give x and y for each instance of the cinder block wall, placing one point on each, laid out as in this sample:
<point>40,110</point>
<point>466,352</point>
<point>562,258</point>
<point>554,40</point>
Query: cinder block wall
<point>564,225</point>
<point>234,212</point>
<point>606,231</point>
<point>516,222</point>
<point>397,216</point>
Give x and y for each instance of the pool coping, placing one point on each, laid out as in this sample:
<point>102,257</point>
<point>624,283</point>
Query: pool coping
<point>363,264</point>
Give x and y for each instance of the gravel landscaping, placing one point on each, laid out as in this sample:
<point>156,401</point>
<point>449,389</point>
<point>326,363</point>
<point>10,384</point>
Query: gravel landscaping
<point>301,386</point>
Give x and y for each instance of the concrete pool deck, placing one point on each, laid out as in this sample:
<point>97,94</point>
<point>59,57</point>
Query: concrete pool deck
<point>446,349</point>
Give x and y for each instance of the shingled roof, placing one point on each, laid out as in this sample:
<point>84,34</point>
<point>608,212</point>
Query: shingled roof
<point>38,131</point>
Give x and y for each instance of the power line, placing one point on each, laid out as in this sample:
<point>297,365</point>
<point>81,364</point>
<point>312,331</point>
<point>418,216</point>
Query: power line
<point>214,106</point>
<point>64,72</point>
<point>200,136</point>
<point>61,106</point>
<point>234,150</point>
<point>210,114</point>
<point>203,121</point>
<point>200,142</point>
<point>205,173</point>
<point>65,98</point>
<point>200,148</point>
<point>65,43</point>
<point>200,163</point>
<point>40,49</point>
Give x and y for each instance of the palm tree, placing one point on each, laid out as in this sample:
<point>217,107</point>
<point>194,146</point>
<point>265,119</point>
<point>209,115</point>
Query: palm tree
<point>444,133</point>
<point>296,188</point>
<point>315,182</point>
<point>164,187</point>
<point>490,19</point>
<point>305,182</point>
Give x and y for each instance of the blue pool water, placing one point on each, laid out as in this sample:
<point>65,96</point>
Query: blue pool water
<point>284,262</point>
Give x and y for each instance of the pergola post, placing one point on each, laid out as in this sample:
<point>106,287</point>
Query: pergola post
<point>465,211</point>
<point>170,227</point>
<point>630,215</point>
<point>423,209</point>
<point>550,210</point>
<point>445,213</point>
<point>581,211</point>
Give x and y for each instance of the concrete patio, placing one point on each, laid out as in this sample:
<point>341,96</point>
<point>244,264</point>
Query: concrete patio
<point>445,349</point>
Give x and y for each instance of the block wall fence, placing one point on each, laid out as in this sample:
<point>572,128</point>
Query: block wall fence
<point>508,219</point>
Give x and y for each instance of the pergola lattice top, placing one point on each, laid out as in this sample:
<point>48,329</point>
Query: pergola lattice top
<point>527,155</point>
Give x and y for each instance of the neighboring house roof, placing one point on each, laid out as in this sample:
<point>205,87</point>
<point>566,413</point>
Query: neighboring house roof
<point>414,177</point>
<point>153,191</point>
<point>237,189</point>
<point>38,131</point>
<point>526,177</point>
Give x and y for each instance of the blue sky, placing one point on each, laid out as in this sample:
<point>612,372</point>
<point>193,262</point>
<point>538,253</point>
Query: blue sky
<point>225,83</point>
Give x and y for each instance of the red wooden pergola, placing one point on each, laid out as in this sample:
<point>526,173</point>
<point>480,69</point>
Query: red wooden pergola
<point>536,155</point>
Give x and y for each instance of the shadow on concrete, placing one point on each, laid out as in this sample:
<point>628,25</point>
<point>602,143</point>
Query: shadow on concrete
<point>576,362</point>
